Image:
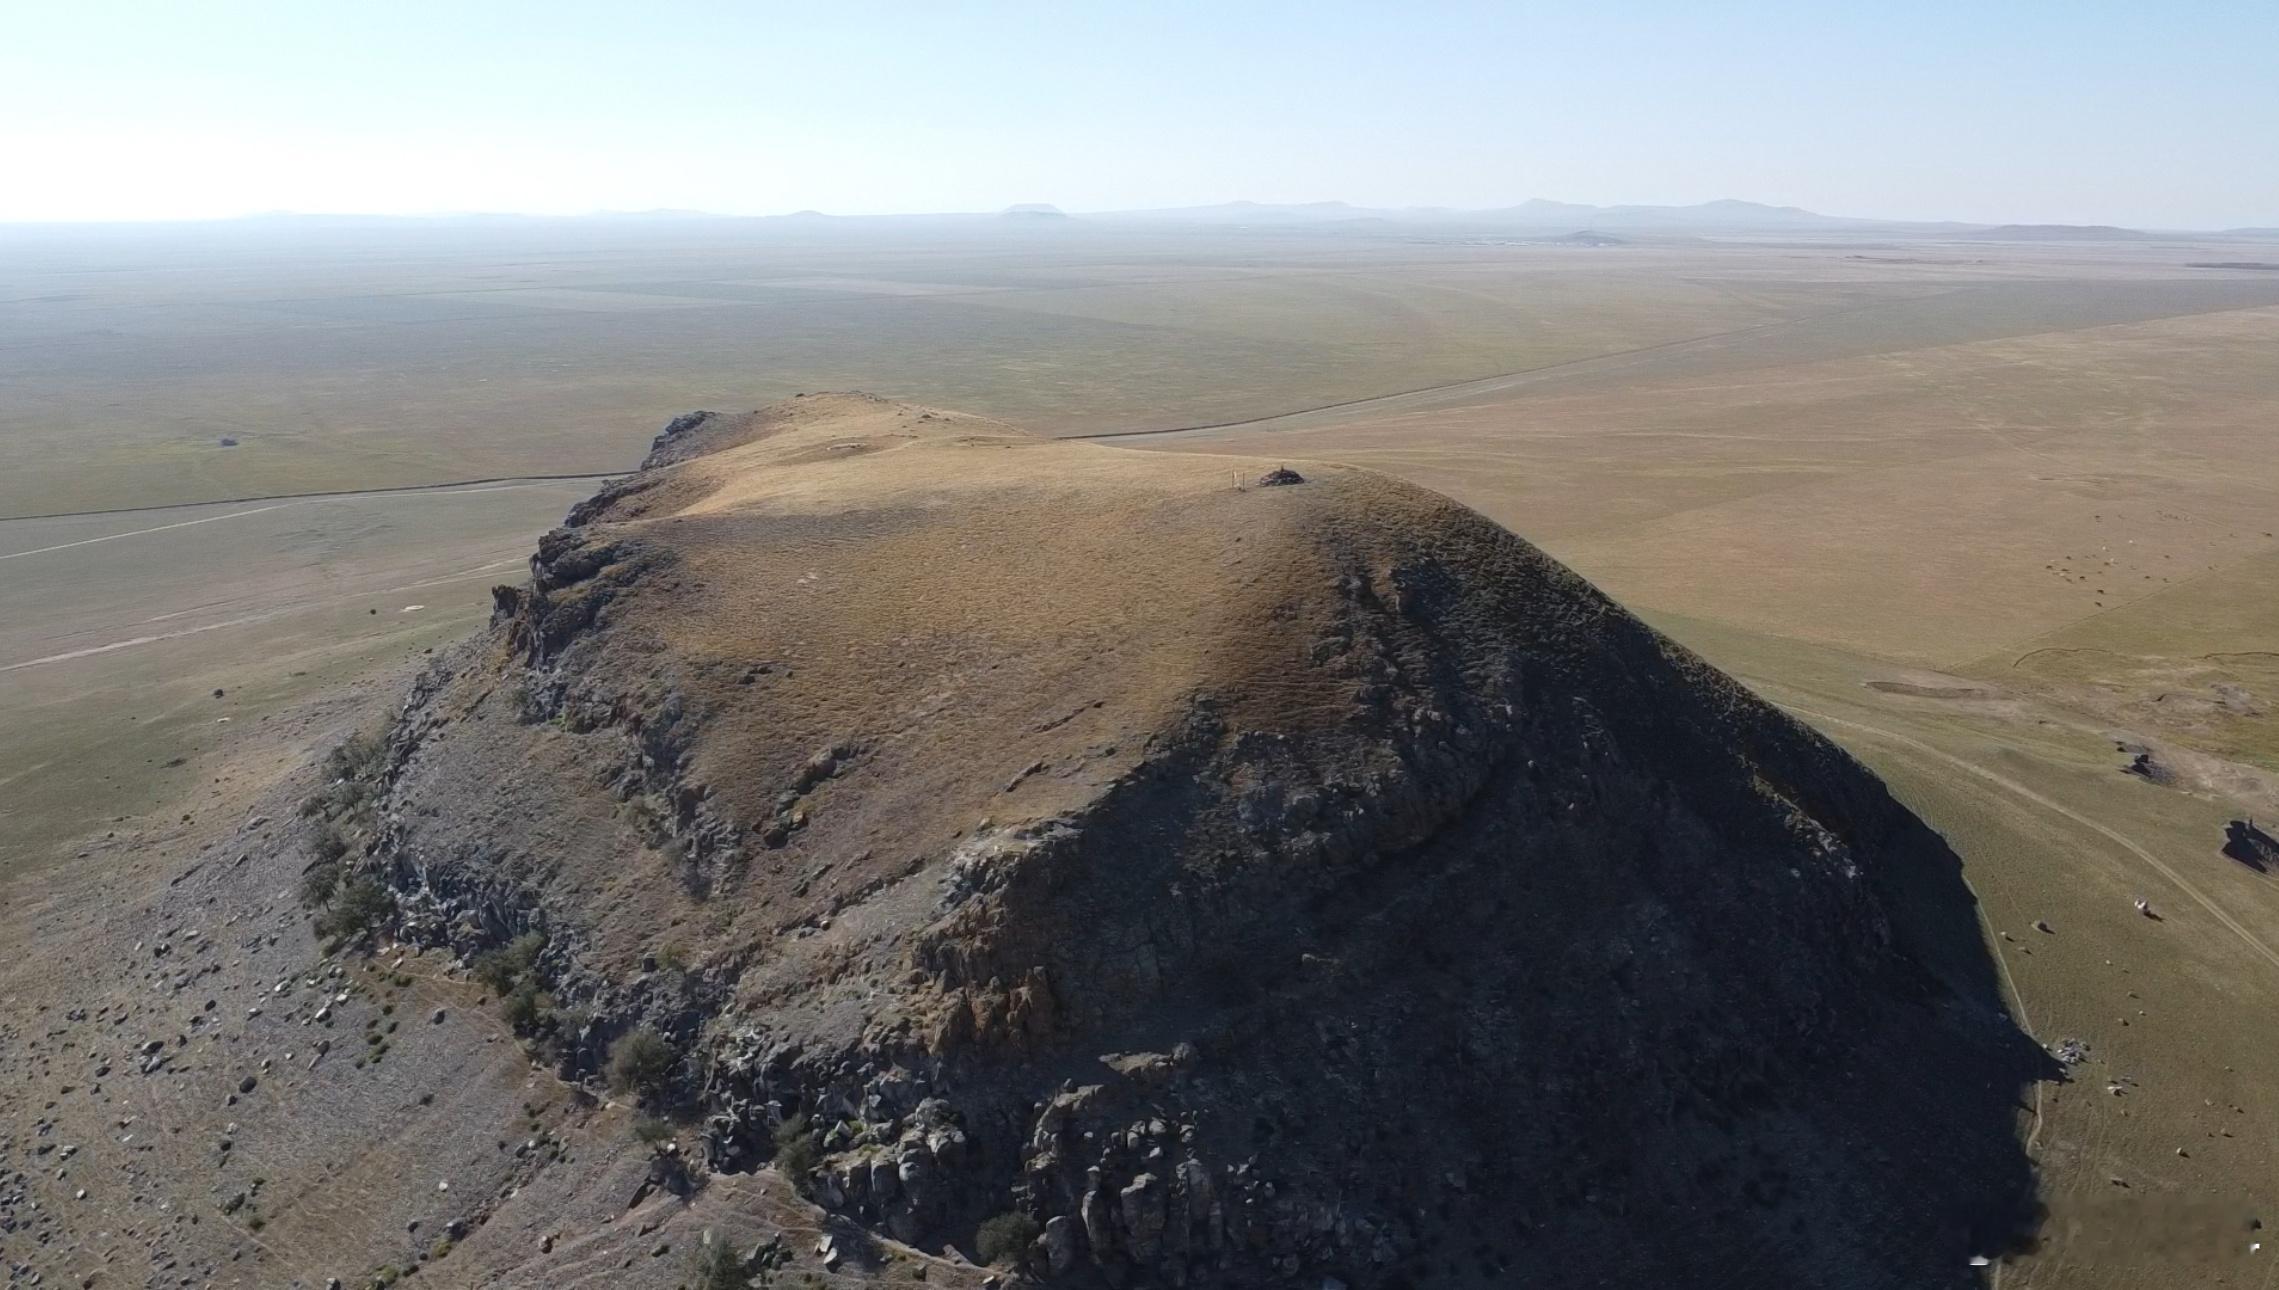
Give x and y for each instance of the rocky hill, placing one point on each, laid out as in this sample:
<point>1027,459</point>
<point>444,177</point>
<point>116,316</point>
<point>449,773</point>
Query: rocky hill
<point>1153,875</point>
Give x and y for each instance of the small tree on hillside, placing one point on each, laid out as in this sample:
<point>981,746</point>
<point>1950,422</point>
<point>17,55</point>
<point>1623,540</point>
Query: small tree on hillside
<point>797,1148</point>
<point>319,881</point>
<point>361,907</point>
<point>1007,1237</point>
<point>504,968</point>
<point>641,1062</point>
<point>717,1266</point>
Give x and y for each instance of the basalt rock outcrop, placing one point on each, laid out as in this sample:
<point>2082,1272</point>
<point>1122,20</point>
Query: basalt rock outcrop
<point>1244,886</point>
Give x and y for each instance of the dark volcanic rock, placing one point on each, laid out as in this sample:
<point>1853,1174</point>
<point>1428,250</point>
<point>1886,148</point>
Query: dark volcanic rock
<point>2247,843</point>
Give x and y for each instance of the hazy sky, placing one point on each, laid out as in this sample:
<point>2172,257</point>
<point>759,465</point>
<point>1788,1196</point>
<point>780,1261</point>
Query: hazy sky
<point>2131,113</point>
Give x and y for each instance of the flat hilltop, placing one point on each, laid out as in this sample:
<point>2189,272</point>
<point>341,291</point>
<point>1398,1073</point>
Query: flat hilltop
<point>1120,868</point>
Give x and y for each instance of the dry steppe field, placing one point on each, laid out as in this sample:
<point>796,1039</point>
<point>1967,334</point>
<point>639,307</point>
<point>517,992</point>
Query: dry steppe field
<point>1997,517</point>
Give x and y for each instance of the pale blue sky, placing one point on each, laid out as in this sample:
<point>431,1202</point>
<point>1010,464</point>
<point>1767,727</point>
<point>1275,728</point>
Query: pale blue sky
<point>2130,113</point>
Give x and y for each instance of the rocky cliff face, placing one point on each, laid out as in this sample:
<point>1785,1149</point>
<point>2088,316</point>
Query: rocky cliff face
<point>1238,885</point>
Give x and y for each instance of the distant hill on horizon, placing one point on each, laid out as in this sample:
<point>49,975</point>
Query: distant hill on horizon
<point>1535,214</point>
<point>2060,233</point>
<point>1724,213</point>
<point>1586,237</point>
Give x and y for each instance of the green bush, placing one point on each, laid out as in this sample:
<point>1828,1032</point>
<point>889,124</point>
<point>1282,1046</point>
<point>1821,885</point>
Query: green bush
<point>641,1062</point>
<point>319,881</point>
<point>351,790</point>
<point>361,907</point>
<point>717,1266</point>
<point>1007,1236</point>
<point>652,1132</point>
<point>329,844</point>
<point>359,756</point>
<point>797,1148</point>
<point>504,968</point>
<point>525,1009</point>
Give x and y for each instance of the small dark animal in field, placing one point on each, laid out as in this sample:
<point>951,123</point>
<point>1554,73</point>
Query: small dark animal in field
<point>228,442</point>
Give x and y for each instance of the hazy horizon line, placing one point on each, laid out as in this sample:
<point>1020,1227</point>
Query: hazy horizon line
<point>1740,207</point>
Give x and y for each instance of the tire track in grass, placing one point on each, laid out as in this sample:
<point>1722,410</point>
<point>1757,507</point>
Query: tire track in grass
<point>113,537</point>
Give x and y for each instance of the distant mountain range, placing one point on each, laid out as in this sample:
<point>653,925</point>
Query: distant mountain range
<point>1536,218</point>
<point>1537,213</point>
<point>1580,222</point>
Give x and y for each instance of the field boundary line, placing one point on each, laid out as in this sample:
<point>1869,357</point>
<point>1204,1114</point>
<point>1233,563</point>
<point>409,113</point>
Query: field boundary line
<point>328,492</point>
<point>1445,387</point>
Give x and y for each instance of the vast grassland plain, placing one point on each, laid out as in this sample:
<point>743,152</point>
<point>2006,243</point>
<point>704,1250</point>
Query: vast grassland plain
<point>1997,517</point>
